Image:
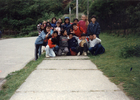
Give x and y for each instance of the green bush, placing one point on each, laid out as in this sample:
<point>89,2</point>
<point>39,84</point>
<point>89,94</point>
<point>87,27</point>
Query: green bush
<point>33,34</point>
<point>130,51</point>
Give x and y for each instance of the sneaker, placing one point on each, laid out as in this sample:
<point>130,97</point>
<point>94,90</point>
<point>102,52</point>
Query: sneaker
<point>78,54</point>
<point>47,56</point>
<point>84,53</point>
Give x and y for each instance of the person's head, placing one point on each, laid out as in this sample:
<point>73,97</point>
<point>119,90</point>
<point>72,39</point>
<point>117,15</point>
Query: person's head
<point>44,23</point>
<point>93,18</point>
<point>94,36</point>
<point>64,32</point>
<point>70,35</point>
<point>60,20</point>
<point>67,20</point>
<point>53,20</point>
<point>58,24</point>
<point>55,34</point>
<point>83,36</point>
<point>91,36</point>
<point>47,28</point>
<point>75,21</point>
<point>41,27</point>
<point>84,17</point>
<point>48,20</point>
<point>48,23</point>
<point>74,26</point>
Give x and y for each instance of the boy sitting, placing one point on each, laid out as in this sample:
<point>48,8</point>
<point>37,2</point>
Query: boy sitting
<point>52,42</point>
<point>63,43</point>
<point>95,45</point>
<point>72,45</point>
<point>83,45</point>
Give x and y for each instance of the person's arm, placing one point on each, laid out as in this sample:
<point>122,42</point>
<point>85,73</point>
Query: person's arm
<point>98,29</point>
<point>50,44</point>
<point>88,30</point>
<point>98,40</point>
<point>82,30</point>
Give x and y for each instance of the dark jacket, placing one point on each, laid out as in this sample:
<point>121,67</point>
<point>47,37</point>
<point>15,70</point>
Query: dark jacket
<point>63,41</point>
<point>72,43</point>
<point>66,26</point>
<point>93,28</point>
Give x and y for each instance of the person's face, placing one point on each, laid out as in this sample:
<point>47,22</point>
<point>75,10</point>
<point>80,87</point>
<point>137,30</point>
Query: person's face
<point>83,17</point>
<point>91,37</point>
<point>65,33</point>
<point>75,27</point>
<point>93,19</point>
<point>42,27</point>
<point>58,25</point>
<point>83,37</point>
<point>60,20</point>
<point>67,21</point>
<point>54,20</point>
<point>75,22</point>
<point>70,36</point>
<point>47,29</point>
<point>55,35</point>
<point>94,36</point>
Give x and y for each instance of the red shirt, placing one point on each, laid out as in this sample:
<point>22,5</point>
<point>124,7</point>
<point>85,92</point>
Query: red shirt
<point>79,31</point>
<point>50,43</point>
<point>83,25</point>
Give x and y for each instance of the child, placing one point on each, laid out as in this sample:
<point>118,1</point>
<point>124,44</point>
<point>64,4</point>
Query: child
<point>95,45</point>
<point>84,23</point>
<point>94,27</point>
<point>40,40</point>
<point>66,25</point>
<point>51,44</point>
<point>83,45</point>
<point>53,22</point>
<point>76,21</point>
<point>58,28</point>
<point>63,43</point>
<point>77,30</point>
<point>60,21</point>
<point>72,45</point>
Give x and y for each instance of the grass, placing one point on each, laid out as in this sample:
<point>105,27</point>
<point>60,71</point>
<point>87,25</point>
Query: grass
<point>118,69</point>
<point>15,79</point>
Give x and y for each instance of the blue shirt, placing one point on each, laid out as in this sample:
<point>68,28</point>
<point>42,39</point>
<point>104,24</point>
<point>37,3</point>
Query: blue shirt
<point>40,38</point>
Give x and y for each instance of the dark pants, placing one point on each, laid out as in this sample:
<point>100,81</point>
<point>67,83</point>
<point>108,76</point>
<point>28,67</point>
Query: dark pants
<point>40,48</point>
<point>83,49</point>
<point>74,49</point>
<point>37,46</point>
<point>97,49</point>
<point>55,49</point>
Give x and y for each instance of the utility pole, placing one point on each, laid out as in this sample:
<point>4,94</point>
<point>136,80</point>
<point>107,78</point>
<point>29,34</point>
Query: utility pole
<point>69,12</point>
<point>76,8</point>
<point>87,8</point>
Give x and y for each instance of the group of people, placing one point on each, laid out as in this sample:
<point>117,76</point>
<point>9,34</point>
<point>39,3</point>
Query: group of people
<point>69,38</point>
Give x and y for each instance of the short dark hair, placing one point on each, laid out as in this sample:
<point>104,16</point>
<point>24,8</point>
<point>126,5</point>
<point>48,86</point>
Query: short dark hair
<point>90,34</point>
<point>76,19</point>
<point>83,35</point>
<point>71,34</point>
<point>62,31</point>
<point>56,32</point>
<point>93,16</point>
<point>54,40</point>
<point>58,22</point>
<point>74,24</point>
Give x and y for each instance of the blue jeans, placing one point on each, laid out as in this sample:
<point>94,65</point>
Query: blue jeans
<point>97,49</point>
<point>50,52</point>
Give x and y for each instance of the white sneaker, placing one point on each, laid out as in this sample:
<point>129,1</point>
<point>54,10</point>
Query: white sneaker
<point>84,53</point>
<point>78,54</point>
<point>47,56</point>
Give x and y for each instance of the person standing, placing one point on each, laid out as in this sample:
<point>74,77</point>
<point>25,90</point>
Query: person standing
<point>93,27</point>
<point>0,34</point>
<point>84,22</point>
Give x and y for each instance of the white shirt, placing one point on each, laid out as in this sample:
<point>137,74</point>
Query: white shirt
<point>58,29</point>
<point>95,41</point>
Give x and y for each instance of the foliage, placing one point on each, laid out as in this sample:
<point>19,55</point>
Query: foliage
<point>121,71</point>
<point>23,15</point>
<point>130,51</point>
<point>117,15</point>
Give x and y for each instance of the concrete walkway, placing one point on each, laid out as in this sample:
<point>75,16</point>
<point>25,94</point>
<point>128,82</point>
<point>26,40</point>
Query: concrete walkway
<point>15,53</point>
<point>68,78</point>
